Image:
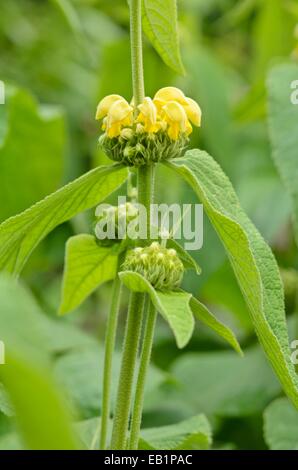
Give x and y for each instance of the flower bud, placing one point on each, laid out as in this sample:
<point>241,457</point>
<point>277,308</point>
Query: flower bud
<point>160,266</point>
<point>114,220</point>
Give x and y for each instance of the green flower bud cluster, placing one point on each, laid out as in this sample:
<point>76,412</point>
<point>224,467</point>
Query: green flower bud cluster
<point>137,148</point>
<point>160,266</point>
<point>114,220</point>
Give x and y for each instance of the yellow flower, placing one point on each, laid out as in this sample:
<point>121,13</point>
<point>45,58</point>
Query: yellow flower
<point>105,104</point>
<point>116,114</point>
<point>175,116</point>
<point>171,94</point>
<point>193,112</point>
<point>119,115</point>
<point>148,116</point>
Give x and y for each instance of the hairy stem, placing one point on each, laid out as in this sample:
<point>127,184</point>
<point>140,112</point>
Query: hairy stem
<point>136,51</point>
<point>110,337</point>
<point>143,369</point>
<point>128,366</point>
<point>146,179</point>
<point>137,300</point>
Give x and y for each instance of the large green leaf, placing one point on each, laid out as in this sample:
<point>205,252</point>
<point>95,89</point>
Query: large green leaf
<point>41,413</point>
<point>19,235</point>
<point>87,265</point>
<point>24,320</point>
<point>71,16</point>
<point>161,27</point>
<point>207,84</point>
<point>283,118</point>
<point>254,265</point>
<point>172,305</point>
<point>80,374</point>
<point>193,433</point>
<point>281,425</point>
<point>202,313</point>
<point>223,384</point>
<point>272,36</point>
<point>31,152</point>
<point>229,299</point>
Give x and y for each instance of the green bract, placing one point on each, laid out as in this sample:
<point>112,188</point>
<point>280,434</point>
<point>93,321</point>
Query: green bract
<point>142,148</point>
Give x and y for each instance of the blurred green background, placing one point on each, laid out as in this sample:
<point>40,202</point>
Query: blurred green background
<point>58,59</point>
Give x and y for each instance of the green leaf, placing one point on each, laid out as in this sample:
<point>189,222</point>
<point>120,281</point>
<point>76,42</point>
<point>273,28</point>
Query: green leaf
<point>23,319</point>
<point>80,373</point>
<point>41,413</point>
<point>201,312</point>
<point>172,305</point>
<point>251,258</point>
<point>208,85</point>
<point>283,116</point>
<point>31,152</point>
<point>89,431</point>
<point>229,299</point>
<point>161,27</point>
<point>272,35</point>
<point>281,425</point>
<point>70,14</point>
<point>193,433</point>
<point>224,384</point>
<point>19,235</point>
<point>87,265</point>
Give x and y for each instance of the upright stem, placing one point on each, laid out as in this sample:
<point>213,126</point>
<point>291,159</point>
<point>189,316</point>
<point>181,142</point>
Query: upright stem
<point>136,51</point>
<point>136,419</point>
<point>146,177</point>
<point>145,191</point>
<point>108,357</point>
<point>128,366</point>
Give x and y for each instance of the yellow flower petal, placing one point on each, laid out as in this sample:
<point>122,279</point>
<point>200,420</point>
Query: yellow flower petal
<point>148,109</point>
<point>170,93</point>
<point>175,115</point>
<point>148,116</point>
<point>174,131</point>
<point>105,104</point>
<point>188,128</point>
<point>120,115</point>
<point>114,130</point>
<point>159,104</point>
<point>193,112</point>
<point>119,110</point>
<point>174,112</point>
